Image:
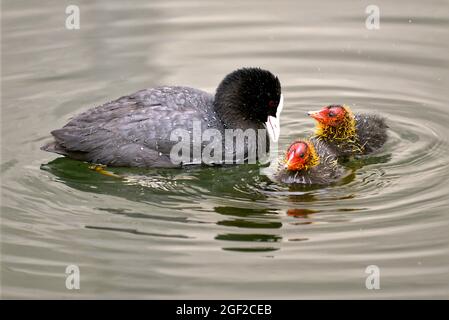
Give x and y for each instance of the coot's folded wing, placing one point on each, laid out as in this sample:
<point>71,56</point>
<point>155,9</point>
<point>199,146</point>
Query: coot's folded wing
<point>133,130</point>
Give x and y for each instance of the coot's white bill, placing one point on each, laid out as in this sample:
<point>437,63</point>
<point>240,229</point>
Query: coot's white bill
<point>273,124</point>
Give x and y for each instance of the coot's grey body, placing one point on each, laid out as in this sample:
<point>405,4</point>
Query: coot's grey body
<point>135,130</point>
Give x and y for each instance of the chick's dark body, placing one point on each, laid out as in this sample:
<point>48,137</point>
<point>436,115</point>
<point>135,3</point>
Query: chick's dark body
<point>326,172</point>
<point>371,134</point>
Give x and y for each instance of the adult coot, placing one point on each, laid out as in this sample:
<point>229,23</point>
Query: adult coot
<point>137,130</point>
<point>347,133</point>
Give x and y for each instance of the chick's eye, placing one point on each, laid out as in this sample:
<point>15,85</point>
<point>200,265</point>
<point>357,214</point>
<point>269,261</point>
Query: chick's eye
<point>272,104</point>
<point>331,114</point>
<point>300,153</point>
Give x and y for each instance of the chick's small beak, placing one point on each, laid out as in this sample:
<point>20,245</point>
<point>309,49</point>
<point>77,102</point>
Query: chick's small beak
<point>289,160</point>
<point>316,115</point>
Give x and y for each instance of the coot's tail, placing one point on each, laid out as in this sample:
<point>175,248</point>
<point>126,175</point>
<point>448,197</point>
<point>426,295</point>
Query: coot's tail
<point>54,147</point>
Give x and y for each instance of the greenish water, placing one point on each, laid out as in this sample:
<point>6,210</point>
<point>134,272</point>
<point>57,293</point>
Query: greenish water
<point>226,232</point>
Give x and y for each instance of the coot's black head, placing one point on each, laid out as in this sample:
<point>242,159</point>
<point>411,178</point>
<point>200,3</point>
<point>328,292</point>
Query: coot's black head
<point>253,94</point>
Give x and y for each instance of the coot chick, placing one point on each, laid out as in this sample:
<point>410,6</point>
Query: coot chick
<point>309,162</point>
<point>135,130</point>
<point>347,133</point>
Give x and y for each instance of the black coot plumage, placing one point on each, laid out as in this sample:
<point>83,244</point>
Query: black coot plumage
<point>135,130</point>
<point>349,134</point>
<point>309,162</point>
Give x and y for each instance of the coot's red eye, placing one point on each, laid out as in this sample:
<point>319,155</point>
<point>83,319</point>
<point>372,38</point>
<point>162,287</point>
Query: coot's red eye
<point>272,104</point>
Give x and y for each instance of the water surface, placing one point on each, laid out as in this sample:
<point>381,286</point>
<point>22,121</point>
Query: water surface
<point>226,232</point>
